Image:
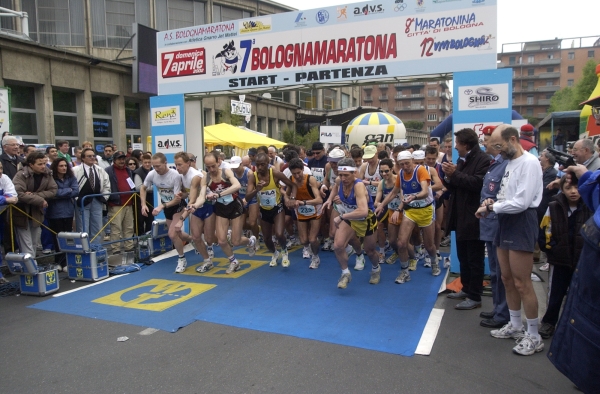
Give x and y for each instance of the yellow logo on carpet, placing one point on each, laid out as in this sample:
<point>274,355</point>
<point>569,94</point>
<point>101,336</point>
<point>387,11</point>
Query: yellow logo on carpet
<point>220,266</point>
<point>154,295</point>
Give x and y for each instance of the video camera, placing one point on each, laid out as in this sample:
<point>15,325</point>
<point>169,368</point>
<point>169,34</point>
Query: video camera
<point>562,158</point>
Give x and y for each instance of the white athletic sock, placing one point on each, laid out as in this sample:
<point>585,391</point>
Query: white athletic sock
<point>346,271</point>
<point>404,264</point>
<point>532,327</point>
<point>382,250</point>
<point>515,318</point>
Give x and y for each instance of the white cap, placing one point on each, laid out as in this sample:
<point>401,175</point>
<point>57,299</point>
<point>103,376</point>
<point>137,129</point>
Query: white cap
<point>404,155</point>
<point>235,162</point>
<point>418,154</point>
<point>336,155</point>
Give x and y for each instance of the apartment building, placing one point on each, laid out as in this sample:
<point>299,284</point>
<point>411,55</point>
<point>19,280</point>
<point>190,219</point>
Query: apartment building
<point>429,102</point>
<point>541,68</point>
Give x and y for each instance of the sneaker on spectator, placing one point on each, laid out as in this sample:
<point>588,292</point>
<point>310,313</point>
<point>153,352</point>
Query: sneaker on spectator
<point>46,251</point>
<point>528,345</point>
<point>446,241</point>
<point>545,267</point>
<point>344,280</point>
<point>546,330</point>
<point>446,262</point>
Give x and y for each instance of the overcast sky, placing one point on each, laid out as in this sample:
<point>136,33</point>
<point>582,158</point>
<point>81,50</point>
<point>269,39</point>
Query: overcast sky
<point>522,20</point>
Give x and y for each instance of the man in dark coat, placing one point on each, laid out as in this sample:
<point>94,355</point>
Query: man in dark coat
<point>465,180</point>
<point>11,161</point>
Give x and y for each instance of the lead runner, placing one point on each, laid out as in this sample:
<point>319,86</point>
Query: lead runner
<point>355,223</point>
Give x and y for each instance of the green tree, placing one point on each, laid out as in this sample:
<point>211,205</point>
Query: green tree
<point>306,140</point>
<point>568,98</point>
<point>414,124</point>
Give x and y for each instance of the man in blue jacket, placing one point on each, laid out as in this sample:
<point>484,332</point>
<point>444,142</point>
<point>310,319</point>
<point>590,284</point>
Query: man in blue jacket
<point>120,210</point>
<point>488,226</point>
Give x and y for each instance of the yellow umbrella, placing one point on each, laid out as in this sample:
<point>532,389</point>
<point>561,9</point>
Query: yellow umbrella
<point>226,134</point>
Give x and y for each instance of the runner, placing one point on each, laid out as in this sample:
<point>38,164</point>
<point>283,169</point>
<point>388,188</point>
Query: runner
<point>431,156</point>
<point>331,173</point>
<point>317,168</point>
<point>202,217</point>
<point>386,185</point>
<point>418,210</point>
<point>355,223</point>
<point>308,205</point>
<point>223,192</point>
<point>168,183</point>
<point>240,169</point>
<point>369,173</point>
<point>264,184</point>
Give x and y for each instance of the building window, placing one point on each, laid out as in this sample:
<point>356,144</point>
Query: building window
<point>531,59</point>
<point>530,86</point>
<point>132,115</point>
<point>345,100</point>
<point>529,111</point>
<point>102,120</point>
<point>571,69</point>
<point>280,96</point>
<point>530,100</point>
<point>548,96</point>
<point>176,14</point>
<point>7,23</point>
<point>431,128</point>
<point>512,60</point>
<point>432,116</point>
<point>65,116</point>
<point>23,120</point>
<point>58,22</point>
<point>571,55</point>
<point>260,125</point>
<point>549,83</point>
<point>431,106</point>
<point>112,21</point>
<point>415,90</point>
<point>590,53</point>
<point>224,14</point>
<point>307,99</point>
<point>570,82</point>
<point>432,92</point>
<point>415,104</point>
<point>329,98</point>
<point>550,56</point>
<point>549,69</point>
<point>530,71</point>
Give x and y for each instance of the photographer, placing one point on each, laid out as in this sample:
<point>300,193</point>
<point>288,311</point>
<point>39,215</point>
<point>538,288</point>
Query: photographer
<point>575,349</point>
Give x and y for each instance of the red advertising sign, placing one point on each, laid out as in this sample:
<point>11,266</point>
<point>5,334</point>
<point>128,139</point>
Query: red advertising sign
<point>183,63</point>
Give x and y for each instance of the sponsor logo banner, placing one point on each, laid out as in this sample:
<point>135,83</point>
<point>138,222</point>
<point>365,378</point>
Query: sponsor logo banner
<point>169,143</point>
<point>162,116</point>
<point>182,63</point>
<point>493,96</point>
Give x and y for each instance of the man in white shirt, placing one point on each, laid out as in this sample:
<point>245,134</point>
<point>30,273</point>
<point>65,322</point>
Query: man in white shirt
<point>520,193</point>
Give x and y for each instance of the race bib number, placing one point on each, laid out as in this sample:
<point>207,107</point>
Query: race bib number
<point>307,210</point>
<point>319,174</point>
<point>372,189</point>
<point>242,191</point>
<point>225,200</point>
<point>267,199</point>
<point>394,204</point>
<point>166,195</point>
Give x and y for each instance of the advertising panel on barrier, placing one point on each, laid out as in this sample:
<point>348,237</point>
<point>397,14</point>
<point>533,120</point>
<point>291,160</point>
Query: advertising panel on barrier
<point>365,41</point>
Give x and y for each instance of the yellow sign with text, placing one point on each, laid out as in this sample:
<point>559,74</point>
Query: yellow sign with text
<point>155,295</point>
<point>220,266</point>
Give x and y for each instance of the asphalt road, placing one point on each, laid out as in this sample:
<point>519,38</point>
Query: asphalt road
<point>58,353</point>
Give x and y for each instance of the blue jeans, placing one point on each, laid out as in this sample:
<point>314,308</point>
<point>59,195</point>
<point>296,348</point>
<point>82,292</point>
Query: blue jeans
<point>92,220</point>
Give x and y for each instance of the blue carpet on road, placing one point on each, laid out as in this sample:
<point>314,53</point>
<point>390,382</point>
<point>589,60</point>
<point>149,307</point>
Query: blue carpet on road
<point>293,301</point>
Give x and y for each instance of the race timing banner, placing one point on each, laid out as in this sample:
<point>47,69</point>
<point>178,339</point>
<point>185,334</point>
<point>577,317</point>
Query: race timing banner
<point>333,45</point>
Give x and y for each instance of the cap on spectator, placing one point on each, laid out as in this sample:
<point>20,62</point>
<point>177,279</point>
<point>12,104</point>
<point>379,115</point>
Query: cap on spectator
<point>336,155</point>
<point>252,152</point>
<point>317,145</point>
<point>118,154</point>
<point>527,130</point>
<point>404,155</point>
<point>370,152</point>
<point>406,145</point>
<point>418,154</point>
<point>488,130</point>
<point>235,162</point>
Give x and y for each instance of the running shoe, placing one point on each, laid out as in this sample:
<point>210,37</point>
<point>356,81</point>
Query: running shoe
<point>251,246</point>
<point>508,331</point>
<point>349,250</point>
<point>545,267</point>
<point>344,280</point>
<point>427,262</point>
<point>360,262</point>
<point>285,260</point>
<point>306,252</point>
<point>233,266</point>
<point>314,262</point>
<point>206,266</point>
<point>412,264</point>
<point>435,269</point>
<point>392,259</point>
<point>446,262</point>
<point>181,264</point>
<point>211,251</point>
<point>274,259</point>
<point>446,241</point>
<point>381,258</point>
<point>327,245</point>
<point>375,276</point>
<point>403,277</point>
<point>528,345</point>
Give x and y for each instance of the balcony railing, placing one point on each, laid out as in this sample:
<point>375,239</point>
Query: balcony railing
<point>549,75</point>
<point>368,98</point>
<point>548,88</point>
<point>383,98</point>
